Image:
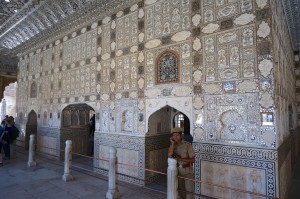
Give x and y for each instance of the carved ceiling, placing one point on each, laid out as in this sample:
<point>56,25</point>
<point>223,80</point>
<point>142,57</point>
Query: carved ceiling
<point>26,20</point>
<point>292,11</point>
<point>27,23</point>
<point>42,18</point>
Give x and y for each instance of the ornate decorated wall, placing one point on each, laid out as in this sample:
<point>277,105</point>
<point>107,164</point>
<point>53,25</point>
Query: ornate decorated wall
<point>226,64</point>
<point>284,92</point>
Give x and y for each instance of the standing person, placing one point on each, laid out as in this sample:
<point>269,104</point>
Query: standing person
<point>184,154</point>
<point>8,138</point>
<point>15,130</point>
<point>1,136</point>
<point>15,133</point>
<point>92,123</point>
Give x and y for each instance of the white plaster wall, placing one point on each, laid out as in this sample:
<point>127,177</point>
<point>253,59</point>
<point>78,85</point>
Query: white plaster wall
<point>127,160</point>
<point>46,144</point>
<point>242,178</point>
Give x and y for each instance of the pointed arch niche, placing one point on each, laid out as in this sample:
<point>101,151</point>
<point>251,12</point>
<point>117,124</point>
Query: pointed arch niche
<point>33,90</point>
<point>167,67</point>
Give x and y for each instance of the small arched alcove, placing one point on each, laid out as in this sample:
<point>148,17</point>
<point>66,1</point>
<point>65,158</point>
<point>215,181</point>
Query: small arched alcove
<point>160,123</point>
<point>75,126</point>
<point>126,124</point>
<point>33,90</point>
<point>31,127</point>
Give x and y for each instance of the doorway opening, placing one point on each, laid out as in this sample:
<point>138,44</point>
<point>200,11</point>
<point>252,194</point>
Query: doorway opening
<point>157,143</point>
<point>76,126</point>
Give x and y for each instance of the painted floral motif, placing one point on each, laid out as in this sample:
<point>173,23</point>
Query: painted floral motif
<point>266,100</point>
<point>263,30</point>
<point>265,67</point>
<point>247,85</point>
<point>232,125</point>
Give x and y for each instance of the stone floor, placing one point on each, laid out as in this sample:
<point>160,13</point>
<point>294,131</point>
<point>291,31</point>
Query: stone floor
<point>44,181</point>
<point>294,191</point>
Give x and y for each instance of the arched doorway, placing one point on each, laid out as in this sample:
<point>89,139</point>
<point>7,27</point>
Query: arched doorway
<point>75,126</point>
<point>160,124</point>
<point>31,127</point>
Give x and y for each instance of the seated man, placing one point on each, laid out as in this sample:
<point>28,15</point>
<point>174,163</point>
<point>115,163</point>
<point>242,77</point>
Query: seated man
<point>184,153</point>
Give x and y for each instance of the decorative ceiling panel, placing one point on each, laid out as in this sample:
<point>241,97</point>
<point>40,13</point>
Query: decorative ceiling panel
<point>292,11</point>
<point>20,20</point>
<point>9,8</point>
<point>25,24</point>
<point>38,19</point>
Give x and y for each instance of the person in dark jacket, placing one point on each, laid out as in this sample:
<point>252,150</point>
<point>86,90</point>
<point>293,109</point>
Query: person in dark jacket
<point>92,124</point>
<point>2,127</point>
<point>6,139</point>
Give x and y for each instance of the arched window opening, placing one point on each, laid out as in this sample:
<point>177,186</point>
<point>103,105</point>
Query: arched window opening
<point>127,121</point>
<point>179,120</point>
<point>74,118</point>
<point>33,90</point>
<point>167,67</point>
<point>66,118</point>
<point>82,117</point>
<point>182,121</point>
<point>45,118</point>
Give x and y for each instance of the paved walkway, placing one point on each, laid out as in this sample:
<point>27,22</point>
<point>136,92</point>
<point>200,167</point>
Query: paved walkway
<point>294,190</point>
<point>44,181</point>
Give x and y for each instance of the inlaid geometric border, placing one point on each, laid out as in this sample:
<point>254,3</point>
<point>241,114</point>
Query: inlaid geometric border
<point>236,151</point>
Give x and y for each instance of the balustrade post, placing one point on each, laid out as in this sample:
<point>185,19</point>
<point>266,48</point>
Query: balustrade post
<point>31,158</point>
<point>172,183</point>
<point>68,162</point>
<point>113,192</point>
